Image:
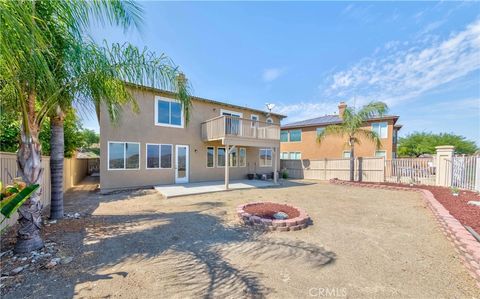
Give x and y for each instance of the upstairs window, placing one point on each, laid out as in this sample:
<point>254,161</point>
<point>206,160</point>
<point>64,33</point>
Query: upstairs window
<point>283,136</point>
<point>254,119</point>
<point>295,135</point>
<point>320,131</point>
<point>381,129</point>
<point>168,112</point>
<point>123,155</point>
<point>284,156</point>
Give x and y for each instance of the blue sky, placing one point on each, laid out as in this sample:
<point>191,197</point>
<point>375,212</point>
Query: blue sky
<point>423,59</point>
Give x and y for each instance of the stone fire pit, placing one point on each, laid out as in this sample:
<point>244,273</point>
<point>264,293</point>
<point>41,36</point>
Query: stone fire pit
<point>271,216</point>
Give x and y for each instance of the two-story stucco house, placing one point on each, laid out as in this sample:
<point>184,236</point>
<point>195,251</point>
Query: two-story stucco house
<point>156,146</point>
<point>299,139</point>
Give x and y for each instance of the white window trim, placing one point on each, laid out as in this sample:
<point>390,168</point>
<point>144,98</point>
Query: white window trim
<point>159,156</point>
<point>375,153</point>
<point>259,159</point>
<point>343,154</point>
<point>157,98</point>
<point>290,155</point>
<point>301,131</point>
<point>231,112</point>
<point>254,123</point>
<point>124,156</point>
<point>380,123</point>
<point>238,157</point>
<point>214,157</point>
<point>287,153</point>
<point>269,120</point>
<point>316,130</point>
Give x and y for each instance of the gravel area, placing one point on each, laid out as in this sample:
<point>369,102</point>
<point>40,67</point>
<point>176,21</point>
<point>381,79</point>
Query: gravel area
<point>363,243</point>
<point>467,214</point>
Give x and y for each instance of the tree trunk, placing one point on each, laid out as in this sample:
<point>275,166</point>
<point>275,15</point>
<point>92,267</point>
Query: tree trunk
<point>56,166</point>
<point>29,160</point>
<point>352,161</point>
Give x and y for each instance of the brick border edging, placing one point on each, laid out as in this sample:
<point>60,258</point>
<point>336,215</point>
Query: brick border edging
<point>464,243</point>
<point>296,223</point>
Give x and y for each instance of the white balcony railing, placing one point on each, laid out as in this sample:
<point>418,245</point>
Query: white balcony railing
<point>231,126</point>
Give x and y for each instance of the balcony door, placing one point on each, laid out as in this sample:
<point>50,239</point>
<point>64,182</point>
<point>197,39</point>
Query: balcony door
<point>233,125</point>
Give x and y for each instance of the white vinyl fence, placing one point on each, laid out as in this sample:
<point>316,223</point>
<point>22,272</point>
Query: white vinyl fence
<point>464,172</point>
<point>441,170</point>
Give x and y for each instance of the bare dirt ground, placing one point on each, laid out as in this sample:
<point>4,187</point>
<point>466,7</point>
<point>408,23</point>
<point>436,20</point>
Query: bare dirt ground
<point>363,244</point>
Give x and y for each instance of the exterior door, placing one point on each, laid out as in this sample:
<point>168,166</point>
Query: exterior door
<point>232,123</point>
<point>181,164</point>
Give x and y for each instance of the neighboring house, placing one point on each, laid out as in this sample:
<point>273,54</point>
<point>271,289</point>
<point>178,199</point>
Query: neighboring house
<point>156,146</point>
<point>299,139</point>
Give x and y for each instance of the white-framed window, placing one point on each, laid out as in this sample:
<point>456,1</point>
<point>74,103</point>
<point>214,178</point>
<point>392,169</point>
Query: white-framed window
<point>233,162</point>
<point>346,154</point>
<point>284,155</point>
<point>220,157</point>
<point>210,156</point>
<point>168,112</point>
<point>242,157</point>
<point>320,131</point>
<point>295,156</point>
<point>381,154</point>
<point>265,155</point>
<point>381,129</point>
<point>295,135</point>
<point>255,120</point>
<point>123,155</point>
<point>159,156</point>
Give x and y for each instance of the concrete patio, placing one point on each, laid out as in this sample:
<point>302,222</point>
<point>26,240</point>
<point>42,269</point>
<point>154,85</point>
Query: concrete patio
<point>176,190</point>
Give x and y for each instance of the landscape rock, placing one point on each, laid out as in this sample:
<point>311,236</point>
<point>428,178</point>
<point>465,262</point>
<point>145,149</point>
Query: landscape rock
<point>474,203</point>
<point>66,260</point>
<point>53,262</point>
<point>16,271</point>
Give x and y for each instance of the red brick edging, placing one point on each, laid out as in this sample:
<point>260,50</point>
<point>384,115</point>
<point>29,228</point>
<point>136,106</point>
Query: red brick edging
<point>464,243</point>
<point>296,223</point>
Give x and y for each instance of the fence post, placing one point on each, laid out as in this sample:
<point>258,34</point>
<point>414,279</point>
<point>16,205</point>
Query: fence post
<point>443,176</point>
<point>477,173</point>
<point>360,168</point>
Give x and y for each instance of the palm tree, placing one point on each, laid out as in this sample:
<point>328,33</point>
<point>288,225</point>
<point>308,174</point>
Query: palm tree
<point>43,76</point>
<point>352,128</point>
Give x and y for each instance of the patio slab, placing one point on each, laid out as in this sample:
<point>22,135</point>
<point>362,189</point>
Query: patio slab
<point>176,190</point>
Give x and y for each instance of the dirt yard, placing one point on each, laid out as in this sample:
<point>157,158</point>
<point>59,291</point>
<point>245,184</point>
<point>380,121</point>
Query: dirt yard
<point>363,243</point>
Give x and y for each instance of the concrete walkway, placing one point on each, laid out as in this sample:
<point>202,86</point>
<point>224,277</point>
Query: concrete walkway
<point>207,187</point>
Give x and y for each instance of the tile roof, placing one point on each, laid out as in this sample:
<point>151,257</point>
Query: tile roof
<point>327,120</point>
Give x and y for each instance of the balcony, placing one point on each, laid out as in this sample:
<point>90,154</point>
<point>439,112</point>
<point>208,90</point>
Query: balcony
<point>240,131</point>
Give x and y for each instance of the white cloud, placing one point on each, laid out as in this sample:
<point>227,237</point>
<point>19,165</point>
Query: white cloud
<point>306,110</point>
<point>403,74</point>
<point>272,73</point>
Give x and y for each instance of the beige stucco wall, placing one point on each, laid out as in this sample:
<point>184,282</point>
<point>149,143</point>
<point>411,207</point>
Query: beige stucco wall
<point>333,146</point>
<point>141,128</point>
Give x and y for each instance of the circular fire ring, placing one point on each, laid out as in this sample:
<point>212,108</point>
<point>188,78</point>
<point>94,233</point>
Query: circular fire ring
<point>267,215</point>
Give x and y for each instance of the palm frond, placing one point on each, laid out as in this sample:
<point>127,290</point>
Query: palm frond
<point>331,130</point>
<point>370,135</point>
<point>372,109</point>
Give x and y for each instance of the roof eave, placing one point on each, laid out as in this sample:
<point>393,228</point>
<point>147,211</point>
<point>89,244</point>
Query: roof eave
<point>281,116</point>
